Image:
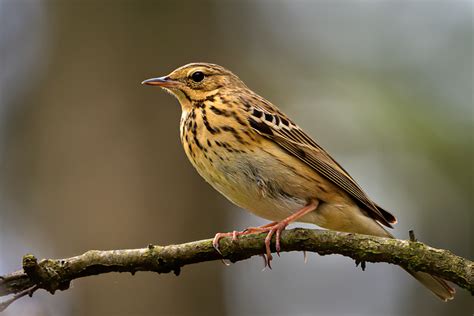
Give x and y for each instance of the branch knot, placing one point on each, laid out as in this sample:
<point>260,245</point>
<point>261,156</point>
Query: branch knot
<point>45,273</point>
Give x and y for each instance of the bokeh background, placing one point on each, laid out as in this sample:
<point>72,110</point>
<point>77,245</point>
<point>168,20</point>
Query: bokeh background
<point>90,159</point>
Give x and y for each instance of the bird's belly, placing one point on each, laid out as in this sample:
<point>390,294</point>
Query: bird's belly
<point>249,196</point>
<point>257,182</point>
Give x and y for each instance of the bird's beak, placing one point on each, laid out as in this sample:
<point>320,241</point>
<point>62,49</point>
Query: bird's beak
<point>164,82</point>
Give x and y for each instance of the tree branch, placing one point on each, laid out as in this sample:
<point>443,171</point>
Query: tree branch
<point>56,274</point>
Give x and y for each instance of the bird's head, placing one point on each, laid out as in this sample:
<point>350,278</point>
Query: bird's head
<point>197,81</point>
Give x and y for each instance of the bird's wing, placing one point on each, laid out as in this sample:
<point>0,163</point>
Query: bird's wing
<point>268,121</point>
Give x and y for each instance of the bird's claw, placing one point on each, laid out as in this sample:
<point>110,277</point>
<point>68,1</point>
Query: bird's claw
<point>272,229</point>
<point>219,236</point>
<point>215,242</point>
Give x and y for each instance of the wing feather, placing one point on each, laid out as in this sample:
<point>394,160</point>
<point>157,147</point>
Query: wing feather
<point>296,142</point>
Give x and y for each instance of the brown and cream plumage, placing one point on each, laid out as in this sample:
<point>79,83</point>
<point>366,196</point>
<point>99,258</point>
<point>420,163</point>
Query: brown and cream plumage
<point>258,158</point>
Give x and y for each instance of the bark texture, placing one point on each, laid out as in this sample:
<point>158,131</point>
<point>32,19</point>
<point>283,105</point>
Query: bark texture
<point>56,274</point>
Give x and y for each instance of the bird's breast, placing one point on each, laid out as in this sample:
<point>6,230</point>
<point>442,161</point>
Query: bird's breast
<point>245,167</point>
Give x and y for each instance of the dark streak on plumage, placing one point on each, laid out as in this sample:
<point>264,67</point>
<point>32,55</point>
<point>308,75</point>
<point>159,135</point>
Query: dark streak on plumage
<point>196,141</point>
<point>186,96</point>
<point>301,153</point>
<point>208,126</point>
<point>268,117</point>
<point>235,133</point>
<point>228,128</point>
<point>197,102</point>
<point>261,127</point>
<point>243,101</point>
<point>228,147</point>
<point>222,112</point>
<point>322,188</point>
<point>216,110</point>
<point>257,113</point>
<point>188,122</point>
<point>194,129</point>
<point>249,135</point>
<point>211,97</point>
<point>237,118</point>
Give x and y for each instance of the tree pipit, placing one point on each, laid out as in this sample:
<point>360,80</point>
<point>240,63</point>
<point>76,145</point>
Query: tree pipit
<point>258,158</point>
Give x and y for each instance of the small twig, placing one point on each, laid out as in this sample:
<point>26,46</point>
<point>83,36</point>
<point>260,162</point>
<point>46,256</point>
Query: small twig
<point>6,303</point>
<point>361,263</point>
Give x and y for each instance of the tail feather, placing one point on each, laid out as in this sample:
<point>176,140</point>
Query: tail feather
<point>438,286</point>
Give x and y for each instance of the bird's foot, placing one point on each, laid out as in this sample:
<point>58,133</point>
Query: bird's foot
<point>274,228</point>
<point>235,234</point>
<point>270,228</point>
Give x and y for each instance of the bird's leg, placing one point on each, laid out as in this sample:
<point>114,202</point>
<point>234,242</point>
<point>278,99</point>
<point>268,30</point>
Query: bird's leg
<point>235,234</point>
<point>271,228</point>
<point>280,226</point>
<point>259,229</point>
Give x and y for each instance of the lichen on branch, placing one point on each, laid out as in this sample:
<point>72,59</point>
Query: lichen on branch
<point>56,274</point>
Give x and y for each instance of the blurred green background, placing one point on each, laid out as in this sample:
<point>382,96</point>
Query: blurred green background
<point>90,159</point>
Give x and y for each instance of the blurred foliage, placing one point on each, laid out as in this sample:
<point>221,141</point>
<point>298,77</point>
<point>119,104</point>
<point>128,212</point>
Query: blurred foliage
<point>91,160</point>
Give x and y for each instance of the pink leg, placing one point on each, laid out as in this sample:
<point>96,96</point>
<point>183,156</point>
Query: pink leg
<point>260,229</point>
<point>271,228</point>
<point>235,234</point>
<point>280,226</point>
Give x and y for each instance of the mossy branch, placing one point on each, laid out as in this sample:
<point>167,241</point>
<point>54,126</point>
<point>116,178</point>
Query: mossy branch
<point>56,274</point>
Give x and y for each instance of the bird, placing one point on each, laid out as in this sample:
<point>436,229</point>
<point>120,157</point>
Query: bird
<point>262,161</point>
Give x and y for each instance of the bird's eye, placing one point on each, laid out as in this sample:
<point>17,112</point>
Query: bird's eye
<point>197,76</point>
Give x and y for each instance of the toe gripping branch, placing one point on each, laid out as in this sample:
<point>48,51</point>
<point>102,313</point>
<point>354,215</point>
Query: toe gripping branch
<point>274,228</point>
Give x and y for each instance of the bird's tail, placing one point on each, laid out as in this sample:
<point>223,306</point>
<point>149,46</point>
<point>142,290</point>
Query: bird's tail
<point>362,224</point>
<point>436,285</point>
